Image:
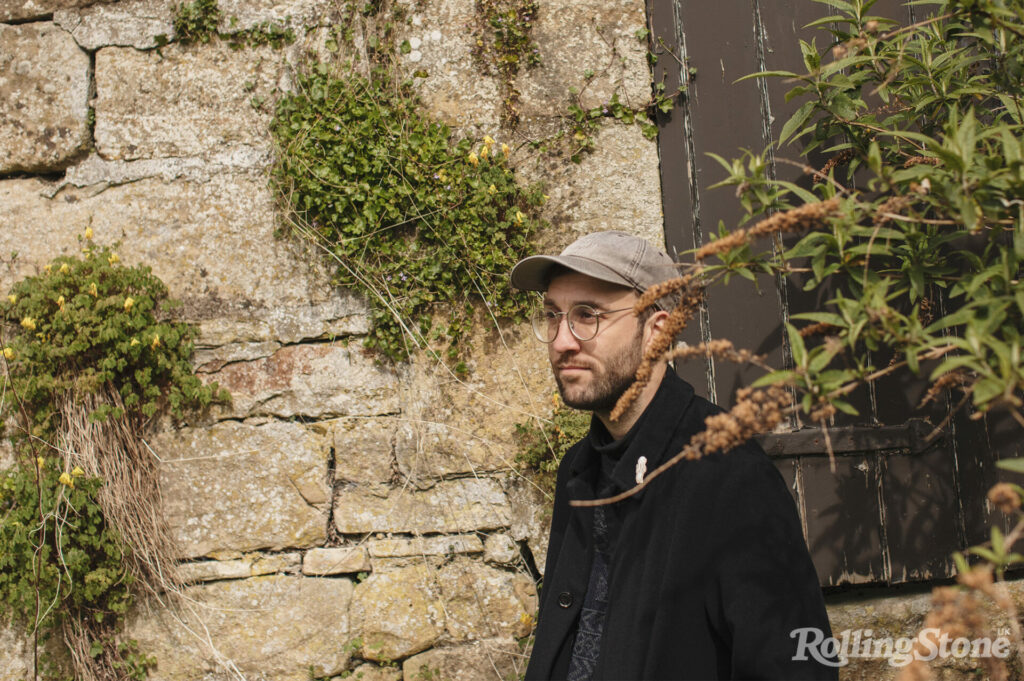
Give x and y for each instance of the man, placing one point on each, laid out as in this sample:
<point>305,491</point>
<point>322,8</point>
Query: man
<point>703,574</point>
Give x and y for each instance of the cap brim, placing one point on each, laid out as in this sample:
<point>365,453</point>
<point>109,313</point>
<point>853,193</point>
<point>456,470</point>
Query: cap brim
<point>533,273</point>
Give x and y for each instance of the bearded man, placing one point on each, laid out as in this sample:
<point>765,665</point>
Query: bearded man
<point>704,573</point>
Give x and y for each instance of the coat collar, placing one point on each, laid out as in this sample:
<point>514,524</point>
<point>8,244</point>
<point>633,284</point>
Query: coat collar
<point>651,436</point>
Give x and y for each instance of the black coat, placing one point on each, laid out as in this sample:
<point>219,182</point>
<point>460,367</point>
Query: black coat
<point>710,572</point>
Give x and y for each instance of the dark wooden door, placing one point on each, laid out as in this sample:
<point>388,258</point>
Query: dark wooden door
<point>894,510</point>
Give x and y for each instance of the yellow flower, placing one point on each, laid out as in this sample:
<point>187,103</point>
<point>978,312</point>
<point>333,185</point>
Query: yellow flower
<point>135,341</point>
<point>93,291</point>
<point>9,353</point>
<point>113,258</point>
<point>64,269</point>
<point>128,302</point>
<point>545,197</point>
<point>580,136</point>
<point>60,302</point>
<point>66,479</point>
<point>488,140</point>
<point>492,189</point>
<point>12,299</point>
<point>485,151</point>
<point>28,323</point>
<point>504,149</point>
<point>77,472</point>
<point>41,462</point>
<point>156,341</point>
<point>519,218</point>
<point>47,268</point>
<point>472,158</point>
<point>88,232</point>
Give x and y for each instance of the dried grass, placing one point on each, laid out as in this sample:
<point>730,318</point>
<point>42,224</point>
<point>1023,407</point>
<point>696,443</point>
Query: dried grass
<point>131,503</point>
<point>130,496</point>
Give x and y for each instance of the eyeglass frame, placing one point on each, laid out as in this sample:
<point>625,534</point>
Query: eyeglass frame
<point>597,326</point>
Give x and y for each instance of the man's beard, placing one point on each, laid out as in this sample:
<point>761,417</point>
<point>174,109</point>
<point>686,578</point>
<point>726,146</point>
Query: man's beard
<point>606,388</point>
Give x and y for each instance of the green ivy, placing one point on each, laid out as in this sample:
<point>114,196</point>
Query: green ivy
<point>197,21</point>
<point>423,225</point>
<point>83,325</point>
<point>541,448</point>
<point>89,323</point>
<point>81,561</point>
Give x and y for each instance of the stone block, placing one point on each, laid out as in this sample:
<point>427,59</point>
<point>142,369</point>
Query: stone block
<point>44,92</point>
<point>442,545</point>
<point>531,516</point>
<point>240,15</point>
<point>496,659</point>
<point>616,186</point>
<point>500,548</point>
<point>214,570</point>
<point>364,448</point>
<point>454,90</point>
<point>273,563</point>
<point>128,23</point>
<point>185,101</point>
<point>398,613</point>
<point>16,654</point>
<point>311,380</point>
<point>581,36</point>
<point>340,315</point>
<point>211,242</point>
<point>372,672</point>
<point>236,487</point>
<point>336,561</point>
<point>268,628</point>
<point>467,426</point>
<point>450,506</point>
<point>485,602</point>
<point>22,10</point>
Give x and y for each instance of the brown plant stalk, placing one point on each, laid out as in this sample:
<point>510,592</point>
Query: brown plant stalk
<point>800,219</point>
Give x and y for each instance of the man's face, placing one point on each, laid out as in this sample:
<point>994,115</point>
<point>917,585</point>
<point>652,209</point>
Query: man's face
<point>593,374</point>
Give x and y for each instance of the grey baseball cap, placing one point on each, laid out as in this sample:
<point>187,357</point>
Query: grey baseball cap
<point>612,256</point>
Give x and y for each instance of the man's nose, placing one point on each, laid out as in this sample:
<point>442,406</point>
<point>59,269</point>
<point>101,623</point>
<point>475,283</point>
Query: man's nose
<point>564,340</point>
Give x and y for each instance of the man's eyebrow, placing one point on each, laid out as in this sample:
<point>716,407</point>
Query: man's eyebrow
<point>592,303</point>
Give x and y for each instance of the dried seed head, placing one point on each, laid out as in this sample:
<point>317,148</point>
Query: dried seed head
<point>1004,497</point>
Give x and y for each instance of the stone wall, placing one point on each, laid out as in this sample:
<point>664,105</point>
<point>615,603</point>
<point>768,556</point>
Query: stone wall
<point>340,516</point>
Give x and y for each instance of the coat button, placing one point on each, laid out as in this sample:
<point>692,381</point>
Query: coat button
<point>565,599</point>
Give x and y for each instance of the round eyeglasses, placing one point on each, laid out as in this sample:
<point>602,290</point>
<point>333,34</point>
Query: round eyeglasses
<point>583,322</point>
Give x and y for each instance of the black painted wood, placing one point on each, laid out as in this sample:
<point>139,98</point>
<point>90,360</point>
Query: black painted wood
<point>896,506</point>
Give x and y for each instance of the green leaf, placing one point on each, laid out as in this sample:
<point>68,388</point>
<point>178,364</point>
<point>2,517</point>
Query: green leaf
<point>1012,465</point>
<point>797,347</point>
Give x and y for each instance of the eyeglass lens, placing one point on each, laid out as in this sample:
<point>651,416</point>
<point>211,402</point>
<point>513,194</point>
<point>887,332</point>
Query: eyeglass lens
<point>583,321</point>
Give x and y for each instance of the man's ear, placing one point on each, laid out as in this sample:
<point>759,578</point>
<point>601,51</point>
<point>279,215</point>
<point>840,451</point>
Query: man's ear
<point>653,326</point>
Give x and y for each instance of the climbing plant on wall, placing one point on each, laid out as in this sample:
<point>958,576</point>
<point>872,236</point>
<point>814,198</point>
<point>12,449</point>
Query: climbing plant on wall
<point>425,224</point>
<point>90,358</point>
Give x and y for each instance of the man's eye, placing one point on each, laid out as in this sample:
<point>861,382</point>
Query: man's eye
<point>585,315</point>
<point>549,315</point>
